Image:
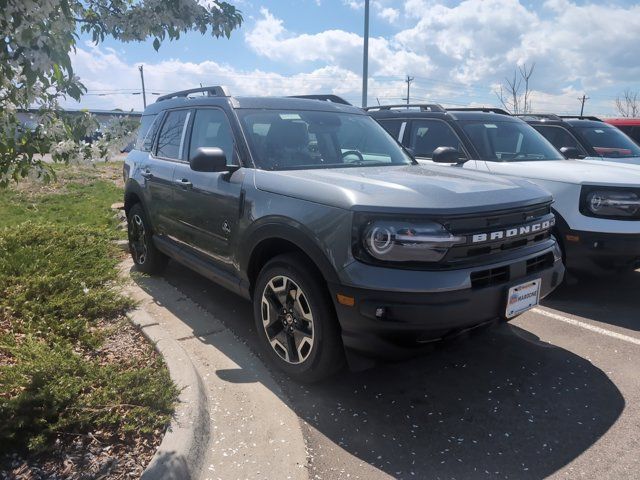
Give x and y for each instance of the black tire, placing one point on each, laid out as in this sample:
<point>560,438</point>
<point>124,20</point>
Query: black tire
<point>306,360</point>
<point>145,255</point>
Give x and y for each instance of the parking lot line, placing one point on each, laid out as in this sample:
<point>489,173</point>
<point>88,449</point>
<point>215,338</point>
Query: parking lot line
<point>586,326</point>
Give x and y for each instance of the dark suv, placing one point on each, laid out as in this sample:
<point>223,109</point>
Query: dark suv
<point>338,236</point>
<point>582,137</point>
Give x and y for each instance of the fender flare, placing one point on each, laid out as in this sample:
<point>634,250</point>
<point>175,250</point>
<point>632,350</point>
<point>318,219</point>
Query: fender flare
<point>290,231</point>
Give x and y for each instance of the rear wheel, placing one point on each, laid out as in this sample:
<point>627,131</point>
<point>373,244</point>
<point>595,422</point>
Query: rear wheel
<point>144,253</point>
<point>296,321</point>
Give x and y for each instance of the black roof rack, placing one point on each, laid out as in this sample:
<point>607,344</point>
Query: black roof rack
<point>538,116</point>
<point>213,91</point>
<point>501,111</point>
<point>582,117</point>
<point>424,107</point>
<point>325,98</point>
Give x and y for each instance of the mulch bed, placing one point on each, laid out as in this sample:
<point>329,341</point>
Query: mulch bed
<point>98,454</point>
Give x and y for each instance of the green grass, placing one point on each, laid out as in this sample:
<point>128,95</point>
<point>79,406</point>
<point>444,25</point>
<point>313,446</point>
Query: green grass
<point>59,299</point>
<point>82,197</point>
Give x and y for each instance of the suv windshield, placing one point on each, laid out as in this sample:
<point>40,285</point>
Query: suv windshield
<point>289,140</point>
<point>608,141</point>
<point>508,141</point>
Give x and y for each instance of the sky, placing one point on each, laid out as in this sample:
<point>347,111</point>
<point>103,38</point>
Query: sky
<point>458,52</point>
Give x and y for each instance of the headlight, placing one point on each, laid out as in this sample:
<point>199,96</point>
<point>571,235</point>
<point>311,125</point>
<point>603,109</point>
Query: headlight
<point>405,241</point>
<point>609,203</point>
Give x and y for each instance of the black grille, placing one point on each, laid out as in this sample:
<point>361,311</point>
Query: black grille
<point>539,263</point>
<point>492,276</point>
<point>461,254</point>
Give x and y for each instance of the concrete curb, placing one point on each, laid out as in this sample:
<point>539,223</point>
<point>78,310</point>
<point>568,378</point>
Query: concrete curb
<point>180,454</point>
<point>220,429</point>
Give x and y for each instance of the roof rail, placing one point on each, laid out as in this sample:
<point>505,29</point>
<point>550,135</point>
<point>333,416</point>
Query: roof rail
<point>324,98</point>
<point>582,117</point>
<point>500,111</point>
<point>212,91</point>
<point>538,116</point>
<point>424,107</point>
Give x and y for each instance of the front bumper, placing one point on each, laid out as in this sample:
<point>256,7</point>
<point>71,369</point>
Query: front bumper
<point>597,253</point>
<point>413,318</point>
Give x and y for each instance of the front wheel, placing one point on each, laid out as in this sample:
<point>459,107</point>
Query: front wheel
<point>145,255</point>
<point>296,321</point>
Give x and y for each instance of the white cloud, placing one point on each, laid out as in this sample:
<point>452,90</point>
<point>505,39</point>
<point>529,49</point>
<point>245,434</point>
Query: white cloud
<point>458,53</point>
<point>390,14</point>
<point>102,70</point>
<point>270,39</point>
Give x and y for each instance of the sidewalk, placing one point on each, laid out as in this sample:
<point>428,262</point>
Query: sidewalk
<point>252,433</point>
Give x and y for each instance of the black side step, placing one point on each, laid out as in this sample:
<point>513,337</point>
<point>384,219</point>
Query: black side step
<point>201,266</point>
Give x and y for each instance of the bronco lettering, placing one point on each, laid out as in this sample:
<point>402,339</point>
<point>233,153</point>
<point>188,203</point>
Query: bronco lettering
<point>513,232</point>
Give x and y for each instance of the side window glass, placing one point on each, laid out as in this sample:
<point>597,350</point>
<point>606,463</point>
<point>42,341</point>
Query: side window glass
<point>211,129</point>
<point>147,132</point>
<point>392,126</point>
<point>172,133</point>
<point>559,137</point>
<point>427,135</point>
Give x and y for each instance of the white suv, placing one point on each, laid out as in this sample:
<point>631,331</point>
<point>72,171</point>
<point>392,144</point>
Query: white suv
<point>597,204</point>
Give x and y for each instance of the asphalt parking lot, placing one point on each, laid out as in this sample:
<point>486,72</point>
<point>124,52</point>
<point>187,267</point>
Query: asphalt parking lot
<point>555,393</point>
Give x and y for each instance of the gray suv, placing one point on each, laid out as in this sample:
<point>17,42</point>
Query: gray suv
<point>342,241</point>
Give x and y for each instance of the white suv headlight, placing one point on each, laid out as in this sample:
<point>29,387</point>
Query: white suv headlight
<point>611,203</point>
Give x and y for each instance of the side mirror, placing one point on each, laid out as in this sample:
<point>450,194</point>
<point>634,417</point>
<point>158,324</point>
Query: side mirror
<point>571,152</point>
<point>209,159</point>
<point>447,155</point>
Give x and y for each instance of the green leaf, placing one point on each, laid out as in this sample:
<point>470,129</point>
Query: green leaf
<point>156,44</point>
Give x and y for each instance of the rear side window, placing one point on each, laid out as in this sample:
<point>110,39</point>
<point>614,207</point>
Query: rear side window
<point>559,137</point>
<point>427,135</point>
<point>392,126</point>
<point>172,134</point>
<point>211,129</point>
<point>146,132</point>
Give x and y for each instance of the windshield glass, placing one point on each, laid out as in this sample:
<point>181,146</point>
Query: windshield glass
<point>508,141</point>
<point>608,141</point>
<point>296,140</point>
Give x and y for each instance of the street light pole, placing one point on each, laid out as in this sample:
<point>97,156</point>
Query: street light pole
<point>144,94</point>
<point>365,56</point>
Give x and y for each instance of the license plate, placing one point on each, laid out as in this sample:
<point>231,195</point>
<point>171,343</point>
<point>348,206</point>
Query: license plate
<point>523,297</point>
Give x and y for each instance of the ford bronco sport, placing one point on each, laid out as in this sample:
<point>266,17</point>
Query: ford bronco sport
<point>596,203</point>
<point>341,240</point>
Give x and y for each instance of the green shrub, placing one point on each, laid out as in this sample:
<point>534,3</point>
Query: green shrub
<point>52,389</point>
<point>54,281</point>
<point>58,296</point>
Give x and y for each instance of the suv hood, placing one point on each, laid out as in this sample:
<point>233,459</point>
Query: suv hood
<point>579,172</point>
<point>619,161</point>
<point>414,188</point>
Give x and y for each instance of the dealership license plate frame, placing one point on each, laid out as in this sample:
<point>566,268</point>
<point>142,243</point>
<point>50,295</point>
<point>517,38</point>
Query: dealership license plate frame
<point>515,308</point>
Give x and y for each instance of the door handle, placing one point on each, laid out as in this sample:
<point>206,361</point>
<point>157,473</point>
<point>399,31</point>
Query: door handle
<point>146,174</point>
<point>184,183</point>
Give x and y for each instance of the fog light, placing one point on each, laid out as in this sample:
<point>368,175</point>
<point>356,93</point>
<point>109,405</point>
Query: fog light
<point>381,312</point>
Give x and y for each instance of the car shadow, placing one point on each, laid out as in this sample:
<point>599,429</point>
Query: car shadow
<point>608,299</point>
<point>497,403</point>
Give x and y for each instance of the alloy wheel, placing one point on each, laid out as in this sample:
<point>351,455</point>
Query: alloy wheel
<point>287,319</point>
<point>138,240</point>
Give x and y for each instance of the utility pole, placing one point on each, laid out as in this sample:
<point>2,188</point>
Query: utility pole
<point>409,80</point>
<point>365,55</point>
<point>144,93</point>
<point>583,99</point>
